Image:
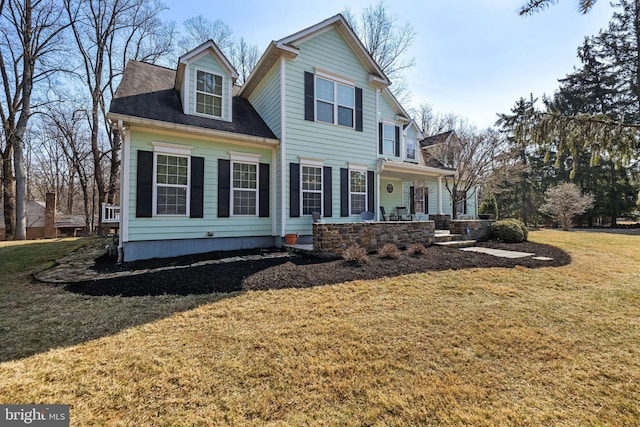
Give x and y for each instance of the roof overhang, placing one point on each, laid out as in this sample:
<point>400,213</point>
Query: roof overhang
<point>410,171</point>
<point>198,52</point>
<point>218,135</point>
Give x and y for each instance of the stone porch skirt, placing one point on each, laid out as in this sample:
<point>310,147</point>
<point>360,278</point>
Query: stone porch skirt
<point>331,239</point>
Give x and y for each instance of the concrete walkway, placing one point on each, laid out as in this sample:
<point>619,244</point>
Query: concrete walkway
<point>498,252</point>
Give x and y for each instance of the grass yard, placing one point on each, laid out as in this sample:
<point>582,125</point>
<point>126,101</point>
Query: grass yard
<point>548,346</point>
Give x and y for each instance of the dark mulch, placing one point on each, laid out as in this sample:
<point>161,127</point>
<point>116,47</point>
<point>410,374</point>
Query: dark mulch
<point>298,271</point>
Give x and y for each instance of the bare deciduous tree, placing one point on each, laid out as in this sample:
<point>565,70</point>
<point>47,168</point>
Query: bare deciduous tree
<point>108,33</point>
<point>387,42</point>
<point>565,201</point>
<point>30,34</point>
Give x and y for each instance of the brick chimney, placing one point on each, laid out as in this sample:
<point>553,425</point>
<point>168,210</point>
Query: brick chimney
<point>50,216</point>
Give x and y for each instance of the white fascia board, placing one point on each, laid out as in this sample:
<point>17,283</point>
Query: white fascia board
<point>195,130</point>
<point>414,169</point>
<point>201,50</point>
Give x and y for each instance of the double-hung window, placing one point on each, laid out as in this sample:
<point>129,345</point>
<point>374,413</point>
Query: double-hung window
<point>311,189</point>
<point>335,102</point>
<point>411,148</point>
<point>357,191</point>
<point>171,184</point>
<point>208,94</point>
<point>245,188</point>
<point>388,139</point>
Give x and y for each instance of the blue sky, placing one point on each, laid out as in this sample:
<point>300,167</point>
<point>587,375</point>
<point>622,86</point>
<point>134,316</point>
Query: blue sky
<point>473,58</point>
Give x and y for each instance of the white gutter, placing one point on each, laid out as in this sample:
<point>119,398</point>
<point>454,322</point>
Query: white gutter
<point>223,136</point>
<point>283,138</point>
<point>274,196</point>
<point>412,168</point>
<point>124,189</point>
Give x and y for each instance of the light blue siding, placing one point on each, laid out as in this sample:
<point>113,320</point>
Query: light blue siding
<point>266,99</point>
<point>335,145</point>
<point>183,227</point>
<point>209,64</point>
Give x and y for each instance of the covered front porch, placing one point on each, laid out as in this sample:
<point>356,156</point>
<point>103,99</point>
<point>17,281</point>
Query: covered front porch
<point>407,191</point>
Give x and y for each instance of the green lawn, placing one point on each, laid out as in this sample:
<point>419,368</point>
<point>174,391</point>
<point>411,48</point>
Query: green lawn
<point>551,346</point>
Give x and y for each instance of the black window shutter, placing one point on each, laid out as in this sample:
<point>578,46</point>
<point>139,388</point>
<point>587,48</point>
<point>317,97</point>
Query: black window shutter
<point>144,184</point>
<point>294,190</point>
<point>327,192</point>
<point>380,138</point>
<point>359,109</point>
<point>224,187</point>
<point>397,148</point>
<point>196,208</point>
<point>263,190</point>
<point>344,192</point>
<point>309,96</point>
<point>371,191</point>
<point>412,199</point>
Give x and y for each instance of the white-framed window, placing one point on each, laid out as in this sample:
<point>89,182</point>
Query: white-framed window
<point>171,184</point>
<point>357,191</point>
<point>411,148</point>
<point>244,188</point>
<point>311,179</point>
<point>209,93</point>
<point>335,102</point>
<point>388,139</point>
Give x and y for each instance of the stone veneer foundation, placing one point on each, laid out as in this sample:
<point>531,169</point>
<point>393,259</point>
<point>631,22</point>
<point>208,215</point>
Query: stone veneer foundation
<point>479,229</point>
<point>331,239</point>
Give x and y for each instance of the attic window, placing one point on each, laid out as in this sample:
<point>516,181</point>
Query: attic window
<point>208,94</point>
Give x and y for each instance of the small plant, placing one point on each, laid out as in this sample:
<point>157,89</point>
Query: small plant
<point>355,254</point>
<point>389,250</point>
<point>489,206</point>
<point>417,249</point>
<point>510,230</point>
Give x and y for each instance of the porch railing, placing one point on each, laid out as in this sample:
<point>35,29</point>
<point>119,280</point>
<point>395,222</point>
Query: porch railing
<point>110,213</point>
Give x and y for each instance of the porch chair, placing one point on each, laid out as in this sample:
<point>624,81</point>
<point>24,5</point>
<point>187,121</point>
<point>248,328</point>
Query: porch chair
<point>401,211</point>
<point>384,214</point>
<point>316,216</point>
<point>366,216</point>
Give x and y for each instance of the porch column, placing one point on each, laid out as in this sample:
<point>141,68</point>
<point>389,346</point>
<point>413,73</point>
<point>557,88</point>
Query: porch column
<point>378,191</point>
<point>440,196</point>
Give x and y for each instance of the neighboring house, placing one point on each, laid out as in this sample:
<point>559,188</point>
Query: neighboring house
<point>314,129</point>
<point>60,225</point>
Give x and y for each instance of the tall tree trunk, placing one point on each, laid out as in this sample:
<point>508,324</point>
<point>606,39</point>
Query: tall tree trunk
<point>21,191</point>
<point>8,194</point>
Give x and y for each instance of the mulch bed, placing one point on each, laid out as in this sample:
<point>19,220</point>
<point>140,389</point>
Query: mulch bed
<point>296,272</point>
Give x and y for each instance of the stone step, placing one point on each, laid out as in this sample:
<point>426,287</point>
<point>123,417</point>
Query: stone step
<point>446,237</point>
<point>457,243</point>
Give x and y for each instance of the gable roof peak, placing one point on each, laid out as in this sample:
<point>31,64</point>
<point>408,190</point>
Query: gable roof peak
<point>289,46</point>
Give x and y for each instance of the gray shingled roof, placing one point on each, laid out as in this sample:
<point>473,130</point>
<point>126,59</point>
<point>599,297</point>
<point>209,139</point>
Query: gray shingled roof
<point>147,91</point>
<point>435,139</point>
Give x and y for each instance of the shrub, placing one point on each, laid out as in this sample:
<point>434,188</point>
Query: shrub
<point>355,254</point>
<point>417,249</point>
<point>489,206</point>
<point>389,250</point>
<point>510,231</point>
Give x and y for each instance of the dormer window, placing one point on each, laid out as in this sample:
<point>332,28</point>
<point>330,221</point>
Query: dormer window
<point>208,94</point>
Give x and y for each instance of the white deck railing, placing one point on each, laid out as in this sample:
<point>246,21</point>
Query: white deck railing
<point>110,213</point>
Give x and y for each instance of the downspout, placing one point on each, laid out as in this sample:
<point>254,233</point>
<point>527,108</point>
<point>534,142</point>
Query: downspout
<point>378,170</point>
<point>283,139</point>
<point>124,189</point>
<point>440,195</point>
<point>274,196</point>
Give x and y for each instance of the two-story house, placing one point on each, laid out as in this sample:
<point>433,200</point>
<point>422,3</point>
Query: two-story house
<point>210,166</point>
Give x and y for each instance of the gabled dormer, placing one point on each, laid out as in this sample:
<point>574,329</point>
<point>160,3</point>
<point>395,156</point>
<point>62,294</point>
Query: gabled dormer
<point>205,80</point>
